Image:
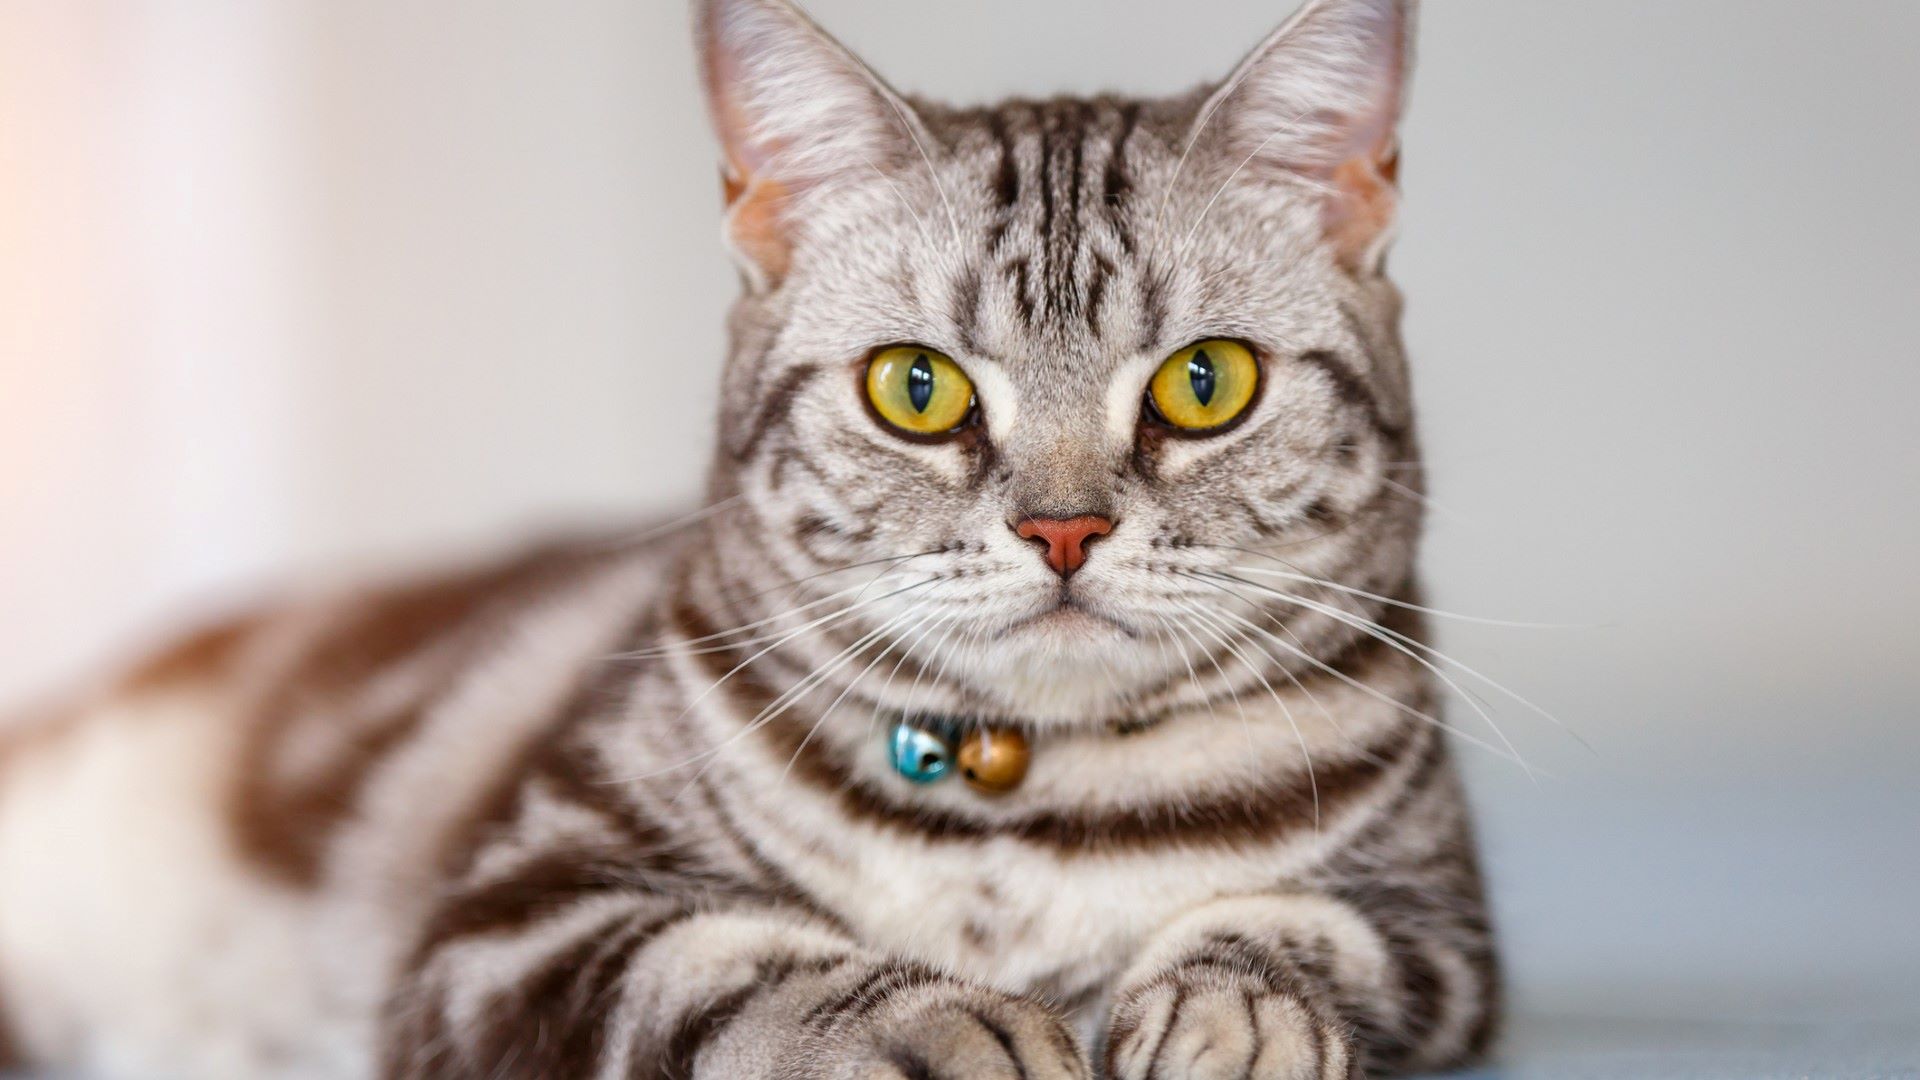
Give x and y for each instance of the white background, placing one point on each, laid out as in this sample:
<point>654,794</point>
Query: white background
<point>320,284</point>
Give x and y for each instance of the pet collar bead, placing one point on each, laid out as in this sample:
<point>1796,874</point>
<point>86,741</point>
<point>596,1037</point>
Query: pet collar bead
<point>919,755</point>
<point>993,760</point>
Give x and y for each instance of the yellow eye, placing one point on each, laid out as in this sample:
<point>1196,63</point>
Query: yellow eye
<point>1205,386</point>
<point>918,390</point>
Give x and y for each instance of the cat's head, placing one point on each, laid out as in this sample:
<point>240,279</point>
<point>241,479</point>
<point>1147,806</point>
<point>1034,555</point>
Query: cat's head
<point>1082,377</point>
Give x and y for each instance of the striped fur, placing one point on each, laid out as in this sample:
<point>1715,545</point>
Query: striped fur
<point>619,806</point>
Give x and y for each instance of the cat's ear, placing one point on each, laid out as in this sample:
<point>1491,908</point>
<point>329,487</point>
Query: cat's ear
<point>795,113</point>
<point>1321,98</point>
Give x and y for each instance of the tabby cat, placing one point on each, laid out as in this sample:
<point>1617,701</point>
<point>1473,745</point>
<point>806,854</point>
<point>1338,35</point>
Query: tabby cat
<point>1064,428</point>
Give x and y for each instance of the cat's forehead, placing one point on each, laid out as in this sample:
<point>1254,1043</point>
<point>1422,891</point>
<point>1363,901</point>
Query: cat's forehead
<point>1049,196</point>
<point>1053,237</point>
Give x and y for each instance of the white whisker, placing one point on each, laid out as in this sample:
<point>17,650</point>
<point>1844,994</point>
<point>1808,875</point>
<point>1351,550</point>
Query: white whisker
<point>786,700</point>
<point>1313,781</point>
<point>1388,637</point>
<point>842,696</point>
<point>1375,693</point>
<point>742,666</point>
<point>1391,602</point>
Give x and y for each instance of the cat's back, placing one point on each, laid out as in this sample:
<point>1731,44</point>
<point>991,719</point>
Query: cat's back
<point>266,800</point>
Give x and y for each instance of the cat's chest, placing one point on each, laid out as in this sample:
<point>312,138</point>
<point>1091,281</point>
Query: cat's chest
<point>1015,913</point>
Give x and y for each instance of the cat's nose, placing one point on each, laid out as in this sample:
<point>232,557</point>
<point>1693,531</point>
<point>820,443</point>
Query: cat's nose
<point>1066,538</point>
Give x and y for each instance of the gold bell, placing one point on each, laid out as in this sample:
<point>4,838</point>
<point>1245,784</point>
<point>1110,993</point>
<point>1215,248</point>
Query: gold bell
<point>994,762</point>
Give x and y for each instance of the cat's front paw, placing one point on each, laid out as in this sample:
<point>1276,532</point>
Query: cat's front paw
<point>1216,1022</point>
<point>905,1022</point>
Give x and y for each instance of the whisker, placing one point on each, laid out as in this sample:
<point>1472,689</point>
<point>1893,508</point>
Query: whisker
<point>711,510</point>
<point>1226,681</point>
<point>1425,500</point>
<point>830,571</point>
<point>1200,649</point>
<point>933,173</point>
<point>1388,637</point>
<point>1220,98</point>
<point>904,204</point>
<point>1295,573</point>
<point>1252,627</point>
<point>742,666</point>
<point>1234,175</point>
<point>842,696</point>
<point>678,647</point>
<point>1391,602</point>
<point>921,670</point>
<point>1539,710</point>
<point>1313,781</point>
<point>787,698</point>
<point>1193,676</point>
<point>1374,692</point>
<point>1287,669</point>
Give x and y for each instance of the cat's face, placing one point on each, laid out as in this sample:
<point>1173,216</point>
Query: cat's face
<point>967,360</point>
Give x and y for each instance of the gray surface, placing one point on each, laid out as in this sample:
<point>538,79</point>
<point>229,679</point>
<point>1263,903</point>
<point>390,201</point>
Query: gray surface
<point>1584,1047</point>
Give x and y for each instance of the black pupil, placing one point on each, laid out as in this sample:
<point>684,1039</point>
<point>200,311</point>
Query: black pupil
<point>1200,374</point>
<point>920,383</point>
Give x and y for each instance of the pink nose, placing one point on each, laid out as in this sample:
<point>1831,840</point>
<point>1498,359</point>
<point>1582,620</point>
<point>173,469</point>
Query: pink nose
<point>1066,538</point>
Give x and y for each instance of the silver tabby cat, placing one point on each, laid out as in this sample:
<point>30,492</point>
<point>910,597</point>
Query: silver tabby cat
<point>1080,421</point>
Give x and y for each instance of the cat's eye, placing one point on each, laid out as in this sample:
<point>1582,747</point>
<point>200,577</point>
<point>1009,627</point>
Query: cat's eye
<point>1204,386</point>
<point>919,391</point>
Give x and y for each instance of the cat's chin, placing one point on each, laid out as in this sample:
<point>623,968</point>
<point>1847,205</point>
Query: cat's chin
<point>1063,667</point>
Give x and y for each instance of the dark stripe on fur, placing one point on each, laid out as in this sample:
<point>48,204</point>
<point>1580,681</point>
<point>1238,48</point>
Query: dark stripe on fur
<point>1005,1038</point>
<point>869,993</point>
<point>1019,285</point>
<point>1351,390</point>
<point>1117,186</point>
<point>1103,269</point>
<point>551,884</point>
<point>285,811</point>
<point>774,880</point>
<point>911,1065</point>
<point>201,657</point>
<point>966,308</point>
<point>602,691</point>
<point>699,1028</point>
<point>554,1022</point>
<point>779,406</point>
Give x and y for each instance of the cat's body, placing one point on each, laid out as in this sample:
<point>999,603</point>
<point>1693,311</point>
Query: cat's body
<point>624,807</point>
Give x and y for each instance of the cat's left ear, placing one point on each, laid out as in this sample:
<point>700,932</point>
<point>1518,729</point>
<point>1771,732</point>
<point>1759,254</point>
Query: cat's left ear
<point>1321,98</point>
<point>796,113</point>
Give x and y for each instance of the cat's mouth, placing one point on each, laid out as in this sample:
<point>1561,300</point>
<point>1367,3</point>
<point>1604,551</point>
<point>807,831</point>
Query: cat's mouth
<point>1070,616</point>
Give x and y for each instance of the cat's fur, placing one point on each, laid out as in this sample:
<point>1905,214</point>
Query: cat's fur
<point>621,808</point>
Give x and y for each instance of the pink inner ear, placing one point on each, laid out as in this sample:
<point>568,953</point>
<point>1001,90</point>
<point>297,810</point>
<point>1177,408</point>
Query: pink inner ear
<point>1363,167</point>
<point>753,199</point>
<point>1360,212</point>
<point>792,110</point>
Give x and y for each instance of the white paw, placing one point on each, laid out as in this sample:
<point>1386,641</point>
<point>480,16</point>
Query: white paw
<point>919,1025</point>
<point>1210,1022</point>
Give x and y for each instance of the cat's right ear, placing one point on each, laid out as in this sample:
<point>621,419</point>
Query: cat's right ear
<point>796,113</point>
<point>1321,99</point>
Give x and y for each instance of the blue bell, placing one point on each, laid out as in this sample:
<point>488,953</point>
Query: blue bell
<point>918,754</point>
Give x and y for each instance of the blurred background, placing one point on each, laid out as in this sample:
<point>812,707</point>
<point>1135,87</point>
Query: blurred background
<point>316,286</point>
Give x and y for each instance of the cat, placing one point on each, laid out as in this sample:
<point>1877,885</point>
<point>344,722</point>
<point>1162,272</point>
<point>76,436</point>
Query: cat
<point>1060,433</point>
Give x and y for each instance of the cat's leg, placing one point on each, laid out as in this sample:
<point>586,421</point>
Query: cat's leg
<point>521,979</point>
<point>1305,985</point>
